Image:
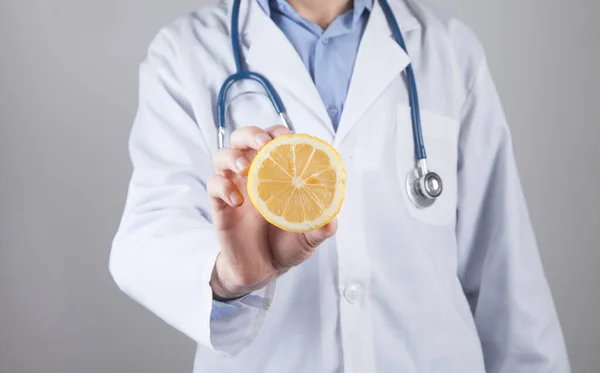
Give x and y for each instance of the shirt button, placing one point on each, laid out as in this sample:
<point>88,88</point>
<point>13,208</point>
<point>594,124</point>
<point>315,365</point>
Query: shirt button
<point>325,40</point>
<point>332,111</point>
<point>352,293</point>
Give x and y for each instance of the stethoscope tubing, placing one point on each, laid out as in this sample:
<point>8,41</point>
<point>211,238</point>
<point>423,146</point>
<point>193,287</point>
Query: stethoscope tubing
<point>423,186</point>
<point>242,74</point>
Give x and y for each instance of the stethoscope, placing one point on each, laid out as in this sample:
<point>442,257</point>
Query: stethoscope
<point>423,186</point>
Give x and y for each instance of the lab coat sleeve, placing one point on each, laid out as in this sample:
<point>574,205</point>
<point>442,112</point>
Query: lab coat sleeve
<point>165,249</point>
<point>499,264</point>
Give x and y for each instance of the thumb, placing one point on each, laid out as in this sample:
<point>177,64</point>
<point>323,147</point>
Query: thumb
<point>316,237</point>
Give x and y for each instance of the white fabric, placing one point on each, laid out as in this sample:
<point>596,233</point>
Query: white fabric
<point>454,288</point>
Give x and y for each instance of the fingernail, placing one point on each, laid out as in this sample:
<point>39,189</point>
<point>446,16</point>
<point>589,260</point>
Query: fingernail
<point>241,163</point>
<point>235,197</point>
<point>280,132</point>
<point>262,139</point>
<point>331,229</point>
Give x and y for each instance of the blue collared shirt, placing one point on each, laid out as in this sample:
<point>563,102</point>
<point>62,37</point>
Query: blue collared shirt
<point>328,55</point>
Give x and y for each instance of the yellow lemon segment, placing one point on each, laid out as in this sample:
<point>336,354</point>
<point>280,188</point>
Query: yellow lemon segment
<point>297,182</point>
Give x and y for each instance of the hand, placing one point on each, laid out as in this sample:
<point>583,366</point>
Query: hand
<point>253,252</point>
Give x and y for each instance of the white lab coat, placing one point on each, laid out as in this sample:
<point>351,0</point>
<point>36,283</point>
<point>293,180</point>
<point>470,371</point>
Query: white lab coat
<point>454,288</point>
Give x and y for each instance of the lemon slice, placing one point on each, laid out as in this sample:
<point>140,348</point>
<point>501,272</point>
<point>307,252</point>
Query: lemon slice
<point>297,182</point>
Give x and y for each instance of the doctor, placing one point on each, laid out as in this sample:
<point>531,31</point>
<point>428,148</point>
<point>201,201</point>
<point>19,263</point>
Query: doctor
<point>456,287</point>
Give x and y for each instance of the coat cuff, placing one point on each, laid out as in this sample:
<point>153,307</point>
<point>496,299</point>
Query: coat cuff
<point>235,324</point>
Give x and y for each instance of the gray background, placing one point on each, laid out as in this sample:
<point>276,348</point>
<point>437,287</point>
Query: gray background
<point>68,85</point>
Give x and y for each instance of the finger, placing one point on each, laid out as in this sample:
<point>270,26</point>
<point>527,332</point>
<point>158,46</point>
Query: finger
<point>278,130</point>
<point>223,192</point>
<point>250,138</point>
<point>230,160</point>
<point>316,237</point>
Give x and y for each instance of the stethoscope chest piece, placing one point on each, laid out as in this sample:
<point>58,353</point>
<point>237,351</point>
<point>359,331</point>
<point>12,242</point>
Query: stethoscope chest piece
<point>423,187</point>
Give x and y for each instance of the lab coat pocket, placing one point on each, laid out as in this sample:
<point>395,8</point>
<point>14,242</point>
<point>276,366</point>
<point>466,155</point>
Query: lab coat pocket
<point>440,135</point>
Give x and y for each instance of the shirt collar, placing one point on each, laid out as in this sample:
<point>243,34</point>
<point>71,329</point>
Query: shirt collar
<point>359,6</point>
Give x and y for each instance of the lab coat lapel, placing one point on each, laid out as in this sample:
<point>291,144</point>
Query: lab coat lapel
<point>380,60</point>
<point>269,52</point>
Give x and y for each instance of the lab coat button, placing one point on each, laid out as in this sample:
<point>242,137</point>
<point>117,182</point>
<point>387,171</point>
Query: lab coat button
<point>332,111</point>
<point>352,293</point>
